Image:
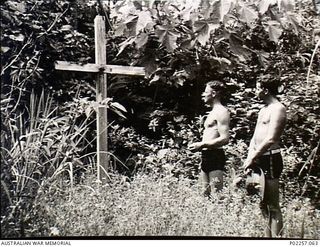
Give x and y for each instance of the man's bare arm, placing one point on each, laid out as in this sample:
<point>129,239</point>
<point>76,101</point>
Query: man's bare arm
<point>276,126</point>
<point>251,146</point>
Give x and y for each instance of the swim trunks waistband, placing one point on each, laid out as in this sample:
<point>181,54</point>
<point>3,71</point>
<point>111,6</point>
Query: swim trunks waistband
<point>212,149</point>
<point>273,151</point>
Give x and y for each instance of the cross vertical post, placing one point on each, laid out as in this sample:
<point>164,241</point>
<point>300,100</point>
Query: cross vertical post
<point>101,94</point>
<point>101,68</point>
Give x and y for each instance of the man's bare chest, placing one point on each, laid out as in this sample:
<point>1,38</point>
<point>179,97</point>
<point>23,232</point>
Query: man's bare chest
<point>211,120</point>
<point>264,116</point>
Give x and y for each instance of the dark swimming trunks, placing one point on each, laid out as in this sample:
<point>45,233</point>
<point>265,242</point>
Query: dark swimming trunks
<point>271,165</point>
<point>213,160</point>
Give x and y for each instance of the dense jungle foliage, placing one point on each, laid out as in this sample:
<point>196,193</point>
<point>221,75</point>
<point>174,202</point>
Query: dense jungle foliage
<point>48,137</point>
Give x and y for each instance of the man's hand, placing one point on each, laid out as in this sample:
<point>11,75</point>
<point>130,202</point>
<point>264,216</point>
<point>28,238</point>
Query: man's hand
<point>195,146</point>
<point>249,163</point>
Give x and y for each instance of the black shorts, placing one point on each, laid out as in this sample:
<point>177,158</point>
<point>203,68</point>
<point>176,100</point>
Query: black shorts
<point>213,160</point>
<point>271,165</point>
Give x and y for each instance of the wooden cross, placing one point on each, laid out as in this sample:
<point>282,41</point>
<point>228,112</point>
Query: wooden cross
<point>101,68</point>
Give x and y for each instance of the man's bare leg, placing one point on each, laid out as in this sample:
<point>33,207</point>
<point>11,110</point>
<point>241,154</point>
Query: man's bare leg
<point>216,180</point>
<point>212,181</point>
<point>272,209</point>
<point>205,183</point>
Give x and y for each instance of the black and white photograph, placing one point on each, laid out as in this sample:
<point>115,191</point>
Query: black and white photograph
<point>160,120</point>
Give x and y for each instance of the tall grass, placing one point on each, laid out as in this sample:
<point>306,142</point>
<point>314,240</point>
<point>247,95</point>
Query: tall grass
<point>37,146</point>
<point>163,205</point>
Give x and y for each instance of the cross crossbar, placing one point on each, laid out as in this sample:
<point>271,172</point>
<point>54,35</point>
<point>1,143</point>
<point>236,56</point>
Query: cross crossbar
<point>94,68</point>
<point>101,68</point>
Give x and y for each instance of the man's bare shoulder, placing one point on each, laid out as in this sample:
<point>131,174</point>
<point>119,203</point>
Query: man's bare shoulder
<point>222,109</point>
<point>277,107</point>
<point>222,113</point>
<point>278,111</point>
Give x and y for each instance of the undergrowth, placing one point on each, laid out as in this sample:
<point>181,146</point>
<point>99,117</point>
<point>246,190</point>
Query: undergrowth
<point>161,205</point>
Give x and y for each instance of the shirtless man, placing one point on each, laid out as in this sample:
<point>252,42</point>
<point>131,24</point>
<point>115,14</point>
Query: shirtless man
<point>215,135</point>
<point>264,152</point>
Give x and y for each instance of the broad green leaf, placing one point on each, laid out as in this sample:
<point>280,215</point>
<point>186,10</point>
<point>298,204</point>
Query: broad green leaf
<point>286,5</point>
<point>137,5</point>
<point>141,40</point>
<point>149,62</point>
<point>225,7</point>
<point>264,5</point>
<point>248,15</point>
<point>186,30</point>
<point>151,2</point>
<point>263,58</point>
<point>170,40</point>
<point>213,12</point>
<point>124,7</point>
<point>125,43</point>
<point>274,15</point>
<point>186,13</point>
<point>144,18</point>
<point>203,29</point>
<point>229,17</point>
<point>120,29</point>
<point>167,37</point>
<point>194,16</point>
<point>295,21</point>
<point>118,5</point>
<point>274,31</point>
<point>188,44</point>
<point>243,53</point>
<point>167,8</point>
<point>132,24</point>
<point>204,4</point>
<point>193,4</point>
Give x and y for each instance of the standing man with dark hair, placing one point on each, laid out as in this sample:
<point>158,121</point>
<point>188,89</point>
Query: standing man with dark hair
<point>215,135</point>
<point>264,151</point>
